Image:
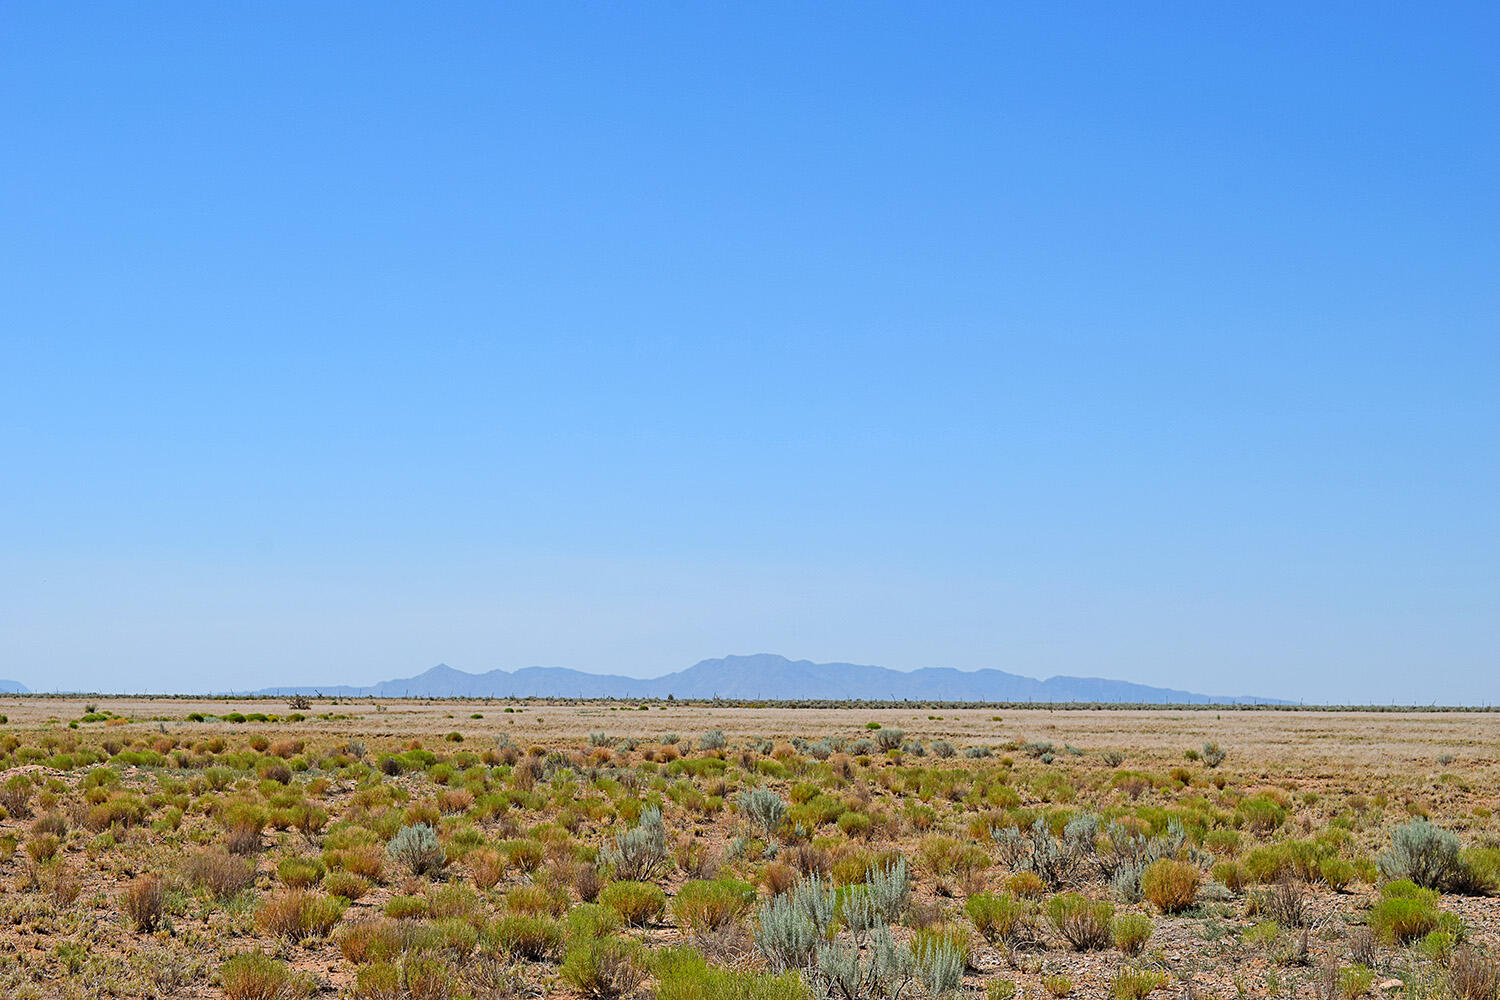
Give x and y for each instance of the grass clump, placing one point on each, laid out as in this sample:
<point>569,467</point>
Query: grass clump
<point>1132,984</point>
<point>1002,918</point>
<point>684,974</point>
<point>296,915</point>
<point>637,903</point>
<point>604,968</point>
<point>1085,923</point>
<point>532,938</point>
<point>704,905</point>
<point>1130,932</point>
<point>1404,912</point>
<point>255,976</point>
<point>1170,885</point>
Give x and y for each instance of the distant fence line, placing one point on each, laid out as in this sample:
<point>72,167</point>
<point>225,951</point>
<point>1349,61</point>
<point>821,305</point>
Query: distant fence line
<point>1053,706</point>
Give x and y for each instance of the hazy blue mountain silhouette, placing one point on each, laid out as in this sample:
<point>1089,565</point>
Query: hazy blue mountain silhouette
<point>769,676</point>
<point>13,687</point>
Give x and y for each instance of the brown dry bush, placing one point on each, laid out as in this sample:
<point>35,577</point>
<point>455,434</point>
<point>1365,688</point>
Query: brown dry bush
<point>372,939</point>
<point>295,914</point>
<point>218,872</point>
<point>285,748</point>
<point>486,867</point>
<point>587,882</point>
<point>144,902</point>
<point>1473,976</point>
<point>452,801</point>
<point>64,886</point>
<point>777,878</point>
<point>1170,885</point>
<point>367,862</point>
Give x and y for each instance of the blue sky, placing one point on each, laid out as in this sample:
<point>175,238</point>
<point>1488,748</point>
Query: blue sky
<point>1157,342</point>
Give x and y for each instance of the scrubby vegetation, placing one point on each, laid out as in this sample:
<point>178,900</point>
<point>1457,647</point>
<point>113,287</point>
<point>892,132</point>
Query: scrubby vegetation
<point>262,859</point>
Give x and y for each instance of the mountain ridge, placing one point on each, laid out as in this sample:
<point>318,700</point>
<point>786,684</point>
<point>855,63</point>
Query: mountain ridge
<point>769,677</point>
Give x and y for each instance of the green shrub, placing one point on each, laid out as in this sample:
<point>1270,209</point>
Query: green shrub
<point>299,873</point>
<point>592,920</point>
<point>1002,918</point>
<point>1085,923</point>
<point>1130,932</point>
<point>1404,912</point>
<point>1231,875</point>
<point>406,907</point>
<point>604,968</point>
<point>527,937</point>
<point>684,974</point>
<point>709,905</point>
<point>1259,814</point>
<point>254,976</point>
<point>1132,984</point>
<point>637,903</point>
<point>1337,872</point>
<point>345,884</point>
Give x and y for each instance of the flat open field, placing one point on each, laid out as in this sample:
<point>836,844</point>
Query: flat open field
<point>446,849</point>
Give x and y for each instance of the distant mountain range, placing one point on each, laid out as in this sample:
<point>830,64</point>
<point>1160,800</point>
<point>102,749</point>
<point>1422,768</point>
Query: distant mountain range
<point>766,676</point>
<point>13,687</point>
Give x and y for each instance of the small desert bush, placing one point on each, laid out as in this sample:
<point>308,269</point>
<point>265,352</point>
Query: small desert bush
<point>1130,932</point>
<point>403,907</point>
<point>1170,885</point>
<point>1473,976</point>
<point>591,920</point>
<point>532,938</point>
<point>1404,912</point>
<point>1133,984</point>
<point>486,867</point>
<point>928,942</point>
<point>684,974</point>
<point>637,903</point>
<point>1002,918</point>
<point>534,899</point>
<point>366,861</point>
<point>380,981</point>
<point>428,977</point>
<point>43,847</point>
<point>604,968</point>
<point>372,939</point>
<point>417,848</point>
<point>300,873</point>
<point>144,902</point>
<point>1337,872</point>
<point>709,905</point>
<point>523,855</point>
<point>219,873</point>
<point>1231,875</point>
<point>295,915</point>
<point>1082,921</point>
<point>255,976</point>
<point>1424,855</point>
<point>345,884</point>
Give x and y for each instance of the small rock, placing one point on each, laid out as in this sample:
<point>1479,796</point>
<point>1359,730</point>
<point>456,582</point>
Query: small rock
<point>1389,984</point>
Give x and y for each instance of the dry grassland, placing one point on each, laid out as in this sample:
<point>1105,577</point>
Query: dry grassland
<point>452,849</point>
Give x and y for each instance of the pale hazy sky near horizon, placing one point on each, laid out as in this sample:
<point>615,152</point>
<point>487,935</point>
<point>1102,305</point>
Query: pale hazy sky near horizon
<point>1156,342</point>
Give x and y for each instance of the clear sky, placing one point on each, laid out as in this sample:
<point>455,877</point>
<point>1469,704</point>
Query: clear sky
<point>1153,341</point>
